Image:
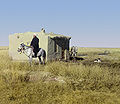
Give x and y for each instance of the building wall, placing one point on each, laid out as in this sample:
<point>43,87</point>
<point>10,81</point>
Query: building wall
<point>45,42</point>
<point>52,55</point>
<point>16,39</point>
<point>14,42</point>
<point>62,43</point>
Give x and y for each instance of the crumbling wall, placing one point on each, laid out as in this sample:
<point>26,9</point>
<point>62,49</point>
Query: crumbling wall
<point>62,43</point>
<point>46,41</point>
<point>52,55</point>
<point>14,42</point>
<point>16,39</point>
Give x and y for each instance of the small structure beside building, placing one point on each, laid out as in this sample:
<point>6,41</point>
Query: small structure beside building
<point>55,45</point>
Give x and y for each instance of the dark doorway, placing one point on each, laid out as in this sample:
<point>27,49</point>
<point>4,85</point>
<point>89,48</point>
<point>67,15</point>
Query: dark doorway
<point>63,53</point>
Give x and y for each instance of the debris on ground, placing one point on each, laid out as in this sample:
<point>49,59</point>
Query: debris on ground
<point>97,60</point>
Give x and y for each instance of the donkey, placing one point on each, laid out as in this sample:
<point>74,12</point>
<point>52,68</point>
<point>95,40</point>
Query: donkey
<point>28,51</point>
<point>74,51</point>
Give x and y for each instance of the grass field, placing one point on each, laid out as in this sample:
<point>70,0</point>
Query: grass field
<point>81,82</point>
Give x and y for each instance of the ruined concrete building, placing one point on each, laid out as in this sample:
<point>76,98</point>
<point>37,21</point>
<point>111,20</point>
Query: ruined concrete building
<point>55,45</point>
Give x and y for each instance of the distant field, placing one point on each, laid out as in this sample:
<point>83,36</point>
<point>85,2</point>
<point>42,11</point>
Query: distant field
<point>4,47</point>
<point>81,82</point>
<point>85,50</point>
<point>112,54</point>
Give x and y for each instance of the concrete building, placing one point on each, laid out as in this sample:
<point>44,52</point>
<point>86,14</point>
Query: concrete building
<point>55,45</point>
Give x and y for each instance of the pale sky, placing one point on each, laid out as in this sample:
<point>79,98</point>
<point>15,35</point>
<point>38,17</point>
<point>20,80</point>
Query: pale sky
<point>90,23</point>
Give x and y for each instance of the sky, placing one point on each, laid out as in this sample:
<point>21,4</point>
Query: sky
<point>90,23</point>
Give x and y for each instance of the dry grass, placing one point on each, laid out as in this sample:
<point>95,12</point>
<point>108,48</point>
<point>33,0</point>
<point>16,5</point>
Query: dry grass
<point>4,47</point>
<point>84,84</point>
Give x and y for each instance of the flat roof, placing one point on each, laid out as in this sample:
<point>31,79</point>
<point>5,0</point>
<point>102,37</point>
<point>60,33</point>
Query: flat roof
<point>51,35</point>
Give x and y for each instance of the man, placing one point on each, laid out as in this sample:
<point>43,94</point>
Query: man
<point>35,44</point>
